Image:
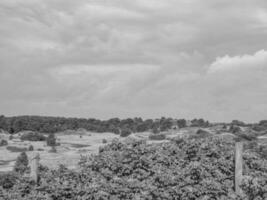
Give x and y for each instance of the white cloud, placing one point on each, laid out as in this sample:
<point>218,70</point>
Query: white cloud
<point>227,63</point>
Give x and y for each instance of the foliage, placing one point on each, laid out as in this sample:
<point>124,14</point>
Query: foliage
<point>33,136</point>
<point>30,148</point>
<point>3,143</point>
<point>16,149</point>
<point>199,123</point>
<point>21,164</point>
<point>59,124</point>
<point>125,132</point>
<point>53,149</point>
<point>203,133</point>
<point>183,169</point>
<point>158,136</point>
<point>51,140</point>
<point>104,141</point>
<point>8,180</point>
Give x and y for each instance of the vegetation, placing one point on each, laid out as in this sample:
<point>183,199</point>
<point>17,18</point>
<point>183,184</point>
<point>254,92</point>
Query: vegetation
<point>104,141</point>
<point>33,136</point>
<point>114,125</point>
<point>158,136</point>
<point>30,148</point>
<point>51,140</point>
<point>21,164</point>
<point>3,143</point>
<point>183,169</point>
<point>16,149</point>
<point>125,132</point>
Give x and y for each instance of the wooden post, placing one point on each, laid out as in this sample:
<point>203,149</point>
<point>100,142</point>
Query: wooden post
<point>34,164</point>
<point>238,166</point>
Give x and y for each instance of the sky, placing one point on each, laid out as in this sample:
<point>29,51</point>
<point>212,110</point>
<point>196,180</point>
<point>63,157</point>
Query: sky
<point>127,58</point>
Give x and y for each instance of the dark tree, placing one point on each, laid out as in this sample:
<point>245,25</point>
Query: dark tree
<point>21,164</point>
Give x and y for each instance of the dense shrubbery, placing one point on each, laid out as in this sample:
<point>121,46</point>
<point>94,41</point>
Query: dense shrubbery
<point>16,149</point>
<point>33,136</point>
<point>157,136</point>
<point>183,169</point>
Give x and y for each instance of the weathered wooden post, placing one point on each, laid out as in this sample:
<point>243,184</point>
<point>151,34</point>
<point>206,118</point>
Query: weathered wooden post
<point>238,166</point>
<point>34,164</point>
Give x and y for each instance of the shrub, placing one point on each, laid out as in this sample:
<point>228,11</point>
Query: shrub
<point>30,148</point>
<point>104,141</point>
<point>21,164</point>
<point>3,143</point>
<point>53,149</point>
<point>203,133</point>
<point>158,136</point>
<point>51,140</point>
<point>155,130</point>
<point>234,129</point>
<point>11,137</point>
<point>125,132</point>
<point>7,180</point>
<point>33,136</point>
<point>16,149</point>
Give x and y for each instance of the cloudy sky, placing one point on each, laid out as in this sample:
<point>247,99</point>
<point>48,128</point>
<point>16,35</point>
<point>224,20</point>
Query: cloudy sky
<point>125,58</point>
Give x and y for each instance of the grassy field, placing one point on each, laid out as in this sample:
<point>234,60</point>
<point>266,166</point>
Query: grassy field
<point>72,146</point>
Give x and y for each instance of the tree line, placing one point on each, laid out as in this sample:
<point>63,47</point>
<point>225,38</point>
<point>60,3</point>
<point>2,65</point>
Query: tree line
<point>56,124</point>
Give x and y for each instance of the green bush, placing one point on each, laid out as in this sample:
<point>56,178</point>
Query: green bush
<point>104,141</point>
<point>158,136</point>
<point>21,164</point>
<point>33,136</point>
<point>7,180</point>
<point>16,149</point>
<point>3,143</point>
<point>202,133</point>
<point>51,140</point>
<point>30,148</point>
<point>125,132</point>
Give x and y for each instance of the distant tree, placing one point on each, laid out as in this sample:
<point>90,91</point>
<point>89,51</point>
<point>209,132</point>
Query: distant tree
<point>125,132</point>
<point>238,123</point>
<point>21,164</point>
<point>181,123</point>
<point>165,123</point>
<point>199,123</point>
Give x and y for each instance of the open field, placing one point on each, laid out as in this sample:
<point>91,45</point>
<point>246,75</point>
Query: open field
<point>72,146</point>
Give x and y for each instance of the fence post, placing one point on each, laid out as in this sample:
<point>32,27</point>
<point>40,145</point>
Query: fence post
<point>34,164</point>
<point>238,166</point>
